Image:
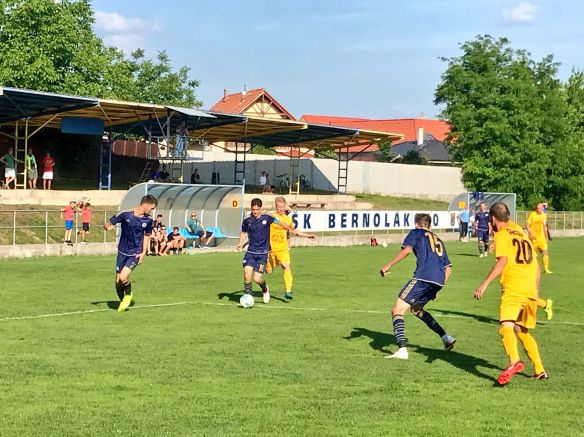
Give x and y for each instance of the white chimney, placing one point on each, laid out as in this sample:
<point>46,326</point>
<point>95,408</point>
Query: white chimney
<point>420,140</point>
<point>244,92</point>
<point>225,92</point>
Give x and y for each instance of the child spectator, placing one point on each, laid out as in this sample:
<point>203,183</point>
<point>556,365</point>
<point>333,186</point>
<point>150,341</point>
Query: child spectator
<point>176,241</point>
<point>32,173</point>
<point>68,214</point>
<point>85,213</point>
<point>48,166</point>
<point>10,170</point>
<point>163,244</point>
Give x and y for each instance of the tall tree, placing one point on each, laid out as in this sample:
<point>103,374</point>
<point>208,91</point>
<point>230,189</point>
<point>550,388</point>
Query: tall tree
<point>50,45</point>
<point>508,117</point>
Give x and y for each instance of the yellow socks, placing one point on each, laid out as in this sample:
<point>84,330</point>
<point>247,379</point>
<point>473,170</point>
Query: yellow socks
<point>546,263</point>
<point>509,340</point>
<point>530,346</point>
<point>288,280</point>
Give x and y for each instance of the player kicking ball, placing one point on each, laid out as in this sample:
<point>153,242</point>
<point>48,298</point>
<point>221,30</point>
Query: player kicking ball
<point>433,268</point>
<point>256,229</point>
<point>133,245</point>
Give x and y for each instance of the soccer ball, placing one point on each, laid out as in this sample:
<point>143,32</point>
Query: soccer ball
<point>384,244</point>
<point>246,301</point>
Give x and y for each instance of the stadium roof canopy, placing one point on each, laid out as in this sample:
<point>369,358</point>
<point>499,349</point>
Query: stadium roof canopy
<point>43,109</point>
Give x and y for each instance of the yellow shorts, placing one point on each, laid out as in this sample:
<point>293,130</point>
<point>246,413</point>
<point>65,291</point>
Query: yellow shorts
<point>518,309</point>
<point>540,244</point>
<point>277,258</point>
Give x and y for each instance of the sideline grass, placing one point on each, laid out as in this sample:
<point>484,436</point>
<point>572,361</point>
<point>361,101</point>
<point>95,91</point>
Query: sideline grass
<point>203,366</point>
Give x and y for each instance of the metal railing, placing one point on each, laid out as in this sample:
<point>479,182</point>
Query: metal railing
<point>37,226</point>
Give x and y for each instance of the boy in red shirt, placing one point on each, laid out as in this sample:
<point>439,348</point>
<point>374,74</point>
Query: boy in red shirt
<point>68,214</point>
<point>85,214</point>
<point>48,166</point>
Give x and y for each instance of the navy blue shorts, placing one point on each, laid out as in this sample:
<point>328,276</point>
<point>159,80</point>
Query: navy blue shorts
<point>483,235</point>
<point>256,260</point>
<point>419,293</point>
<point>129,261</point>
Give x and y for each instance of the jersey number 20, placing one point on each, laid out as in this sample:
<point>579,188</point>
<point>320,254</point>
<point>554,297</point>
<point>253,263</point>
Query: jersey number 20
<point>524,254</point>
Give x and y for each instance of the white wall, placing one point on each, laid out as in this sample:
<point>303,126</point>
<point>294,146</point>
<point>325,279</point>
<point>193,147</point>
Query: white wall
<point>364,177</point>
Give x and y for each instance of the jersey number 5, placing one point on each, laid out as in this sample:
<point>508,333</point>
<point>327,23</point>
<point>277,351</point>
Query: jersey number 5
<point>435,243</point>
<point>524,254</point>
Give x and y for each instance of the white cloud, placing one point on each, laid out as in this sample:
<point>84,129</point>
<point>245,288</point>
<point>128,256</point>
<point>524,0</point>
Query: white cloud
<point>125,33</point>
<point>523,13</point>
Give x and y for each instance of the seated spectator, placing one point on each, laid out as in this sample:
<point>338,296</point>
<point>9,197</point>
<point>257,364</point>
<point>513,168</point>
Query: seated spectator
<point>196,228</point>
<point>156,235</point>
<point>163,175</point>
<point>176,242</point>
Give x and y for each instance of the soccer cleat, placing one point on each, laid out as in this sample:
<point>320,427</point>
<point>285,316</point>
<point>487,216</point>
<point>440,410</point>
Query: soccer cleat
<point>548,271</point>
<point>266,295</point>
<point>541,376</point>
<point>400,354</point>
<point>448,342</point>
<point>549,312</point>
<point>125,303</point>
<point>288,295</point>
<point>509,371</point>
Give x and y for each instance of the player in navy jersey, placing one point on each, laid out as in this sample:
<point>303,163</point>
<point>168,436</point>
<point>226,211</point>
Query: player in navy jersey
<point>482,225</point>
<point>256,228</point>
<point>133,246</point>
<point>433,269</point>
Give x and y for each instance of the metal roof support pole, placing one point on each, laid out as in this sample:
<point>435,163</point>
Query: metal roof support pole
<point>240,161</point>
<point>23,163</point>
<point>105,163</point>
<point>343,170</point>
<point>294,170</point>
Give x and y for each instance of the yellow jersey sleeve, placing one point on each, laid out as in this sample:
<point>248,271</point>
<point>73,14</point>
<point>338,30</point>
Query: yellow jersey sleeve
<point>520,273</point>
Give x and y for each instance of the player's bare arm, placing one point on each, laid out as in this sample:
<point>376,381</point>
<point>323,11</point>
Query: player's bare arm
<point>495,271</point>
<point>447,273</point>
<point>242,239</point>
<point>144,248</point>
<point>108,226</point>
<point>301,234</point>
<point>400,256</point>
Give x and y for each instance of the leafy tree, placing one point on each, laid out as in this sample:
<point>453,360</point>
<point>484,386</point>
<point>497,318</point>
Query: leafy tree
<point>509,123</point>
<point>50,45</point>
<point>386,152</point>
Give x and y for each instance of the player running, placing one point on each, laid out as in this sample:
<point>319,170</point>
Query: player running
<point>433,268</point>
<point>520,281</point>
<point>256,228</point>
<point>133,245</point>
<point>538,233</point>
<point>482,226</point>
<point>279,250</point>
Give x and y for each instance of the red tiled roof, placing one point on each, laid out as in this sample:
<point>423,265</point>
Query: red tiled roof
<point>406,126</point>
<point>238,103</point>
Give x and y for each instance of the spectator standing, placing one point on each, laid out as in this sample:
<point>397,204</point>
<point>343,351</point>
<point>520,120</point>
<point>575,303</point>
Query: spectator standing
<point>163,174</point>
<point>196,228</point>
<point>267,186</point>
<point>68,214</point>
<point>263,180</point>
<point>196,177</point>
<point>48,168</point>
<point>182,138</point>
<point>463,219</point>
<point>85,213</point>
<point>32,173</point>
<point>10,170</point>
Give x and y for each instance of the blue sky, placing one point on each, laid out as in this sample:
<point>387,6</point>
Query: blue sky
<point>362,58</point>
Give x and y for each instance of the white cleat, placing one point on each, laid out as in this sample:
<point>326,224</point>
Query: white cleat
<point>448,342</point>
<point>266,295</point>
<point>400,354</point>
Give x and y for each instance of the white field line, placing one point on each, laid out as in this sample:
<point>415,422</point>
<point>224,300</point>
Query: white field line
<point>232,304</point>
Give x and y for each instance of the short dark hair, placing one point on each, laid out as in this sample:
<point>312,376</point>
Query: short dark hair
<point>500,211</point>
<point>175,228</point>
<point>423,220</point>
<point>149,198</point>
<point>159,215</point>
<point>256,202</point>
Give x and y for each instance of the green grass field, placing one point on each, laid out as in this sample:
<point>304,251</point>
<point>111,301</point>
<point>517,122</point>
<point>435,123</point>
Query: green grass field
<point>186,360</point>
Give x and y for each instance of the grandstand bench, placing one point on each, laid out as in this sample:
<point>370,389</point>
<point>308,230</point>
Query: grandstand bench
<point>306,205</point>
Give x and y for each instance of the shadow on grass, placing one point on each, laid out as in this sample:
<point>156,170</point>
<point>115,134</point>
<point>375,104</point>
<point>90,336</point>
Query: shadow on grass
<point>112,304</point>
<point>380,341</point>
<point>477,317</point>
<point>234,296</point>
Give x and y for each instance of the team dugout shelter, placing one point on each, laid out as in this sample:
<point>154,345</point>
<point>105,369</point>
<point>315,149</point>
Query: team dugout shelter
<point>24,113</point>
